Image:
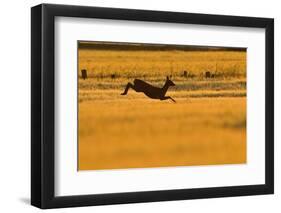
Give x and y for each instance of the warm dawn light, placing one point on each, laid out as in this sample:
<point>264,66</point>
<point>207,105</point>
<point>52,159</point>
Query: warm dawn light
<point>141,128</point>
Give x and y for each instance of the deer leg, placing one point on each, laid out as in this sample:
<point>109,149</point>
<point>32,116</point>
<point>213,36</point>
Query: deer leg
<point>168,97</point>
<point>129,85</point>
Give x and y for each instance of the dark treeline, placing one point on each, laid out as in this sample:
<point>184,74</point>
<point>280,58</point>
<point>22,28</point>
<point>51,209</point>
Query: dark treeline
<point>153,47</point>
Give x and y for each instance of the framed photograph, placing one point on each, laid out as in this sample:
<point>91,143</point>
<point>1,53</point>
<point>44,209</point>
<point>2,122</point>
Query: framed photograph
<point>136,106</point>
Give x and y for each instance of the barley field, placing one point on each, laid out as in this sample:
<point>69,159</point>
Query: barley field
<point>206,125</point>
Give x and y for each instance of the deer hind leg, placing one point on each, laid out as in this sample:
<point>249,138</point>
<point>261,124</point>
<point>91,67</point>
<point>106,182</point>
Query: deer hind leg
<point>129,85</point>
<point>168,97</point>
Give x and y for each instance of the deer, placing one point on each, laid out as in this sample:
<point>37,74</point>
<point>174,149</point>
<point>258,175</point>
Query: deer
<point>150,90</point>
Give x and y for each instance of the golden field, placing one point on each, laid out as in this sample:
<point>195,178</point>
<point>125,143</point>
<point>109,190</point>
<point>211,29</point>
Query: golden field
<point>206,125</point>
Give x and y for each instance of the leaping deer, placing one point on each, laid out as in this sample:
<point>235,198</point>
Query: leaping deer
<point>149,90</point>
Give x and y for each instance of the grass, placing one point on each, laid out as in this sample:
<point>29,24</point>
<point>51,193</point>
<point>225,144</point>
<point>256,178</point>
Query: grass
<point>150,133</point>
<point>145,64</point>
<point>181,84</point>
<point>206,126</point>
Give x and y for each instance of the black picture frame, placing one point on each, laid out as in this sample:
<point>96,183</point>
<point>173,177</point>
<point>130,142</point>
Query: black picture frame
<point>43,102</point>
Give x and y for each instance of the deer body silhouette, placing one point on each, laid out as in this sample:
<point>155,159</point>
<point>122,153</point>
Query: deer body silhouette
<point>149,90</point>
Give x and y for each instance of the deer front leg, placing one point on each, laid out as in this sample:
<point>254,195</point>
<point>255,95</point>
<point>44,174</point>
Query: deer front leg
<point>129,85</point>
<point>168,97</point>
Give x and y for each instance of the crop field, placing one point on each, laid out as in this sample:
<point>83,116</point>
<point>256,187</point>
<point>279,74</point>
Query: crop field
<point>206,125</point>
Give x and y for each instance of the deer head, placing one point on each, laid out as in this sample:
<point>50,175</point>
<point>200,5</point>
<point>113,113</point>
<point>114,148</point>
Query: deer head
<point>169,82</point>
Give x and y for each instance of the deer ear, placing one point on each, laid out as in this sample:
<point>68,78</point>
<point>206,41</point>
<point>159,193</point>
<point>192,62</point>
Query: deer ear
<point>167,77</point>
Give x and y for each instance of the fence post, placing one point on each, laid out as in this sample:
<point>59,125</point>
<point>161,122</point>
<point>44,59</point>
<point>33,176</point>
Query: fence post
<point>84,74</point>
